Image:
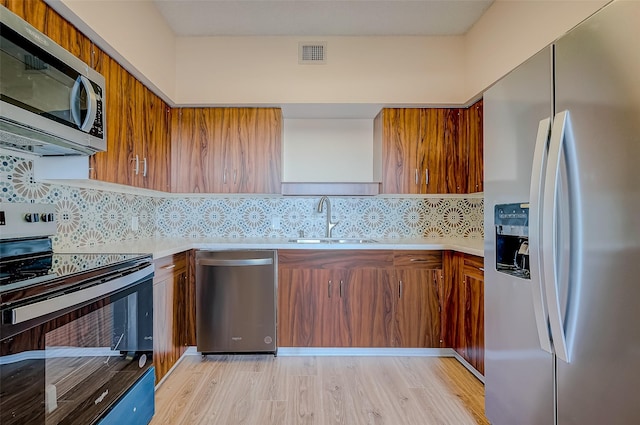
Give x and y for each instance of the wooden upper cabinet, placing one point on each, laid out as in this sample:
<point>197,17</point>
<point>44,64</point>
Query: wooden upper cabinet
<point>476,160</point>
<point>430,150</point>
<point>433,166</point>
<point>401,148</point>
<point>138,139</point>
<point>226,150</point>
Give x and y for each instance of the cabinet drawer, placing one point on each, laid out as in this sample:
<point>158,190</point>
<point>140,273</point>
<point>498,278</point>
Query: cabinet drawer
<point>167,266</point>
<point>418,259</point>
<point>473,266</point>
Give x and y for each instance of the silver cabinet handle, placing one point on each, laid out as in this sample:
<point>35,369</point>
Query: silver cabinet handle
<point>535,218</point>
<point>136,168</point>
<point>329,289</point>
<point>400,289</point>
<point>340,288</point>
<point>224,176</point>
<point>426,177</point>
<point>92,104</point>
<point>169,267</point>
<point>235,175</point>
<point>417,179</point>
<point>51,305</point>
<point>234,263</point>
<point>144,167</point>
<point>549,231</point>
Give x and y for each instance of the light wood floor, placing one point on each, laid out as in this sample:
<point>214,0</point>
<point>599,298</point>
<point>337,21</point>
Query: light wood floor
<point>265,390</point>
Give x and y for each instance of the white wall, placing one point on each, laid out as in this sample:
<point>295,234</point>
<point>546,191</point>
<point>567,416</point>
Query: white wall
<point>132,32</point>
<point>327,150</point>
<point>380,70</point>
<point>265,70</point>
<point>511,31</point>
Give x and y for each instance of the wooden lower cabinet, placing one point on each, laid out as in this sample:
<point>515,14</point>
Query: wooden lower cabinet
<point>418,275</point>
<point>185,304</point>
<point>463,313</point>
<point>358,299</point>
<point>305,313</point>
<point>169,280</point>
<point>365,298</point>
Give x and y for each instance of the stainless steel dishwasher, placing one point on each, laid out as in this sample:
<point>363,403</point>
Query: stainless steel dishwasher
<point>236,301</point>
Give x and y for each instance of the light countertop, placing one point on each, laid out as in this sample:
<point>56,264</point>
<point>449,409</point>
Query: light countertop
<point>168,246</point>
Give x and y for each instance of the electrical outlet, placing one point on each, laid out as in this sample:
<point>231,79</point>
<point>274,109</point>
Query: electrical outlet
<point>275,223</point>
<point>134,223</point>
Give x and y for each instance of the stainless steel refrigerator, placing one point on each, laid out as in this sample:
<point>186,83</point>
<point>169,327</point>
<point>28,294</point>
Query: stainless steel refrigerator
<point>562,229</point>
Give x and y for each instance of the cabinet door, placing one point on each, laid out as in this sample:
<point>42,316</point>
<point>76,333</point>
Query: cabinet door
<point>367,308</point>
<point>418,308</point>
<point>184,309</point>
<point>452,298</point>
<point>156,166</point>
<point>116,165</point>
<point>433,124</point>
<point>197,161</point>
<point>261,141</point>
<point>456,148</point>
<point>401,150</point>
<point>305,312</point>
<point>476,161</point>
<point>473,281</point>
<point>163,327</point>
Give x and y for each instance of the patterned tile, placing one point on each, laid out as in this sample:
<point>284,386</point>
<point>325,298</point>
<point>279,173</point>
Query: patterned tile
<point>90,216</point>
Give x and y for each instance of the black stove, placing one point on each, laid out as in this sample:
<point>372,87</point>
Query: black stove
<point>76,330</point>
<point>27,259</point>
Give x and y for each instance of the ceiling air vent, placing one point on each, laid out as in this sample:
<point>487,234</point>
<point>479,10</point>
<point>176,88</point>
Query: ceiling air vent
<point>313,53</point>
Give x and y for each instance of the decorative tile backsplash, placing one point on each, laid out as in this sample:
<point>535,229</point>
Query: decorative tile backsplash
<point>357,217</point>
<point>89,216</point>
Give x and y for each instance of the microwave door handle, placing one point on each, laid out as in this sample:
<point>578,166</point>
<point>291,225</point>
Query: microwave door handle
<point>92,104</point>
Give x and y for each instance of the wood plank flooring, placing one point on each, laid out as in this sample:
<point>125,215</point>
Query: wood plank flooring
<point>267,390</point>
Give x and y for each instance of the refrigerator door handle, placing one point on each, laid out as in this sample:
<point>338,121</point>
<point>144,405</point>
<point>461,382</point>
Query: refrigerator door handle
<point>535,218</point>
<point>549,231</point>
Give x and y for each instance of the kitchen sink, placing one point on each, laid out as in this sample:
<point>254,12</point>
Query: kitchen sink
<point>333,240</point>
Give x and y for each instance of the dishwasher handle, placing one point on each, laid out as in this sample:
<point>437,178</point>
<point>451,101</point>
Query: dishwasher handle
<point>235,263</point>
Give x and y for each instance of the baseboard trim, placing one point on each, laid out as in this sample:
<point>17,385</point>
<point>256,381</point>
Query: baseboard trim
<point>364,352</point>
<point>468,366</point>
<point>175,365</point>
<point>344,351</point>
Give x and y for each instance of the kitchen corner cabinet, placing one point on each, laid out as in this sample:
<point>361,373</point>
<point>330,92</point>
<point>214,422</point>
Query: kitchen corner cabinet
<point>430,150</point>
<point>463,298</point>
<point>226,150</point>
<point>169,281</point>
<point>358,299</point>
<point>138,131</point>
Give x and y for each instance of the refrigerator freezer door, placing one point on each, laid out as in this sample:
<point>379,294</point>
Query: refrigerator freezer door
<point>518,373</point>
<point>598,82</point>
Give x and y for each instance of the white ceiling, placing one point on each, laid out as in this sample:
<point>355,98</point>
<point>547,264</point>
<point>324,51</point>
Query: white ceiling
<point>321,17</point>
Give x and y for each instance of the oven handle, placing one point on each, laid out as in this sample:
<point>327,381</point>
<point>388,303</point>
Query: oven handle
<point>51,305</point>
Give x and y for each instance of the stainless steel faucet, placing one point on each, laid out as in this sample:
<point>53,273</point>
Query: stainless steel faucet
<point>330,225</point>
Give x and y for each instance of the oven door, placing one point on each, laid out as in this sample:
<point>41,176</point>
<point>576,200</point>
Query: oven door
<point>63,363</point>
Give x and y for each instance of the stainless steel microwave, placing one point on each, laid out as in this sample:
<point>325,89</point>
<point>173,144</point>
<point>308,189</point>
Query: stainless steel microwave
<point>51,103</point>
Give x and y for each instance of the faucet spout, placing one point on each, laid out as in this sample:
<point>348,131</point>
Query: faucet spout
<point>329,225</point>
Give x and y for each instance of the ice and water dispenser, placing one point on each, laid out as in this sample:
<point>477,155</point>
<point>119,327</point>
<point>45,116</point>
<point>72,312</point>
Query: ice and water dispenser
<point>512,239</point>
